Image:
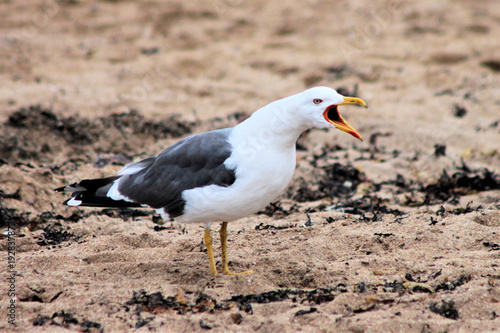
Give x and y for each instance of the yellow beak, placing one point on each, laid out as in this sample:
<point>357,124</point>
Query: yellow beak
<point>332,115</point>
<point>353,100</point>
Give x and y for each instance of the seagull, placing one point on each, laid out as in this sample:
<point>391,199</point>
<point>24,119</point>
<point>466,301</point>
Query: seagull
<point>221,175</point>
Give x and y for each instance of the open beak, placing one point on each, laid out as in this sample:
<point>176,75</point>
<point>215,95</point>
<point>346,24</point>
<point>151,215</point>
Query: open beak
<point>333,116</point>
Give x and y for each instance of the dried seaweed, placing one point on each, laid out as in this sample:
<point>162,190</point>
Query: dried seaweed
<point>394,287</point>
<point>55,236</point>
<point>276,208</point>
<point>452,285</point>
<point>261,226</point>
<point>493,246</point>
<point>74,217</point>
<point>305,311</point>
<point>338,181</point>
<point>88,325</point>
<point>66,319</point>
<point>370,208</point>
<point>459,111</point>
<point>38,133</point>
<point>462,182</point>
<point>439,150</point>
<point>10,217</point>
<point>157,303</point>
<point>446,309</point>
<point>15,195</point>
<point>315,296</point>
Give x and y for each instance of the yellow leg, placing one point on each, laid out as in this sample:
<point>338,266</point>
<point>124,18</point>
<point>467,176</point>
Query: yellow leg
<point>210,249</point>
<point>223,244</point>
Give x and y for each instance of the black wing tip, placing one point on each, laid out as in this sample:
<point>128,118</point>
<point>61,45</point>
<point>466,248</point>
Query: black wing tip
<point>85,192</point>
<point>60,189</point>
<point>65,188</point>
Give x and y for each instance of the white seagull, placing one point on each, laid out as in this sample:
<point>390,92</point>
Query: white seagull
<point>221,175</point>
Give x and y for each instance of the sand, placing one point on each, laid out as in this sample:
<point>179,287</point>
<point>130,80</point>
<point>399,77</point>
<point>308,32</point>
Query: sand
<point>398,233</point>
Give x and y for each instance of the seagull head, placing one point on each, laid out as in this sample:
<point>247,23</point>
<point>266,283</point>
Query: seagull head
<point>318,107</point>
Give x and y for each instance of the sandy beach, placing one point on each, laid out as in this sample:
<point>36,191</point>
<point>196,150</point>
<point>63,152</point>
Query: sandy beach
<point>399,232</point>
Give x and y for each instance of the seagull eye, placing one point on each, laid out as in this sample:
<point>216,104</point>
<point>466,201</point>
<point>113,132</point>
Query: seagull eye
<point>317,101</point>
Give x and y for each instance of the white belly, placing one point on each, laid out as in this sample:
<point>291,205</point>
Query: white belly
<point>258,182</point>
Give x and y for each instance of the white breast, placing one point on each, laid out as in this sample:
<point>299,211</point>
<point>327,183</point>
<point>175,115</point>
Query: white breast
<point>262,174</point>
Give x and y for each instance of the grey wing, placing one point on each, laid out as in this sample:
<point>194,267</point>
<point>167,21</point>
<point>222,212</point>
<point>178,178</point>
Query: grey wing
<point>196,161</point>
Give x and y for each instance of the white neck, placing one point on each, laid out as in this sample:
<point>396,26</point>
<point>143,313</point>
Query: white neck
<point>271,126</point>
